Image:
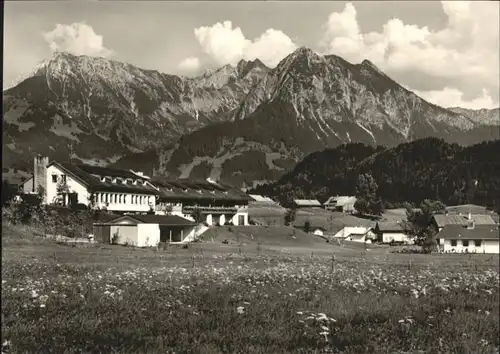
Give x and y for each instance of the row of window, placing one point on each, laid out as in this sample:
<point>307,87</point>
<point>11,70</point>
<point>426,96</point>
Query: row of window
<point>119,180</point>
<point>55,178</point>
<point>465,243</point>
<point>117,198</point>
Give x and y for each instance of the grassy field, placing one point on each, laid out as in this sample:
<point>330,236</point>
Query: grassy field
<point>273,294</point>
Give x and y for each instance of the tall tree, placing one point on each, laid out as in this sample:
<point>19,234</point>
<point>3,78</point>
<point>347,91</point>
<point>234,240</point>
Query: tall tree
<point>8,192</point>
<point>366,194</point>
<point>290,216</point>
<point>418,224</point>
<point>307,226</point>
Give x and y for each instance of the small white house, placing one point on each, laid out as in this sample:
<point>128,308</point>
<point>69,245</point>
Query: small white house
<point>320,231</point>
<point>388,232</point>
<point>145,230</point>
<point>356,234</point>
<point>469,239</point>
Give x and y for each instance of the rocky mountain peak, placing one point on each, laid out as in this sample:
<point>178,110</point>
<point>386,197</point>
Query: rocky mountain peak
<point>244,67</point>
<point>301,60</point>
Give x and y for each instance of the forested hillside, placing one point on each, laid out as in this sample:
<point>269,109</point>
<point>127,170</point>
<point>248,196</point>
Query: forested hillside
<point>427,168</point>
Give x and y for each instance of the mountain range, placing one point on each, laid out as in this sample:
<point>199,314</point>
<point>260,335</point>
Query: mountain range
<point>242,124</point>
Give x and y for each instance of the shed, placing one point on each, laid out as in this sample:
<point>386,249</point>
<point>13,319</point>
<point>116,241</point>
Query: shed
<point>319,230</point>
<point>143,230</point>
<point>307,203</point>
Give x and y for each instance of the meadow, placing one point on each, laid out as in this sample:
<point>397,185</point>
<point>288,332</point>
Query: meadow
<point>244,298</point>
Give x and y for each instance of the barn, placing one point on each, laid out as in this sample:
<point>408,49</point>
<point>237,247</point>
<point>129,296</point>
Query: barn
<point>144,230</point>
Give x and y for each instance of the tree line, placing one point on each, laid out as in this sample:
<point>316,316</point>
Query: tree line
<point>385,178</point>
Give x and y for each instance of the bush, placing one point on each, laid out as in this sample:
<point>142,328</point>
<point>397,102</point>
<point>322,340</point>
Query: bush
<point>70,222</point>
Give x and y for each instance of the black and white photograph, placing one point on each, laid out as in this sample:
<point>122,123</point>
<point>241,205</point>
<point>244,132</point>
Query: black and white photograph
<point>250,177</point>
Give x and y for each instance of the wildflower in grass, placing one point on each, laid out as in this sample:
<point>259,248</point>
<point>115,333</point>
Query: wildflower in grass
<point>240,310</point>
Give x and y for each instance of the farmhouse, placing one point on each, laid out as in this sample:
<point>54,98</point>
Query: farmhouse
<point>344,204</point>
<point>101,187</point>
<point>356,233</point>
<point>218,204</point>
<point>388,232</point>
<point>470,238</point>
<point>306,203</point>
<point>145,230</point>
<point>439,221</point>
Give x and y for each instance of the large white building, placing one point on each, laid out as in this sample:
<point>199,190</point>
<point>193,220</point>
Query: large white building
<point>127,191</point>
<point>470,238</point>
<point>217,203</point>
<point>99,187</point>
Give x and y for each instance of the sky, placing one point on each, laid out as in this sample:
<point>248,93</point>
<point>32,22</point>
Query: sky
<point>446,52</point>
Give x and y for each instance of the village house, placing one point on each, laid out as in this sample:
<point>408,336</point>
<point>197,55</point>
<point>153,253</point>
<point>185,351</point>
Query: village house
<point>343,204</point>
<point>388,232</point>
<point>469,238</point>
<point>356,234</point>
<point>145,230</point>
<point>306,203</point>
<point>218,204</point>
<point>318,230</point>
<point>99,187</point>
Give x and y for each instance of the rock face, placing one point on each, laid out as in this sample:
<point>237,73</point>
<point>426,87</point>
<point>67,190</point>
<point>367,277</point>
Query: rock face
<point>480,116</point>
<point>310,102</point>
<point>241,124</point>
<point>101,110</point>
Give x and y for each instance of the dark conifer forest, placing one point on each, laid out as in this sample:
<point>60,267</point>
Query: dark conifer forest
<point>411,172</point>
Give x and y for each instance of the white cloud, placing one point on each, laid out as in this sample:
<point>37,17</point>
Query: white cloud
<point>451,97</point>
<point>466,51</point>
<point>189,65</point>
<point>77,38</point>
<point>228,45</point>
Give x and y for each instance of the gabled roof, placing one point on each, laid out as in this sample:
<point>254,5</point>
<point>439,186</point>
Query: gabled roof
<point>260,198</point>
<point>390,227</point>
<point>82,174</point>
<point>166,220</point>
<point>183,189</point>
<point>479,232</point>
<point>340,200</point>
<point>26,180</point>
<point>307,202</point>
<point>353,230</point>
<point>106,171</point>
<point>452,219</point>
